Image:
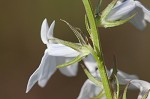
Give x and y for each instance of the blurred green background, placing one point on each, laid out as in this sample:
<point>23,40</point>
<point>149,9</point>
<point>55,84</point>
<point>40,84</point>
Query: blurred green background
<point>21,47</point>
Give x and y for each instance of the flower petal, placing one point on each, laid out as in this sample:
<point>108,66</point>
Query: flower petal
<point>61,50</point>
<point>143,86</point>
<point>33,79</point>
<point>69,70</point>
<point>138,21</point>
<point>146,11</point>
<point>44,30</point>
<point>121,10</point>
<point>125,9</point>
<point>124,78</point>
<point>147,15</point>
<point>89,90</point>
<point>38,74</point>
<point>50,31</point>
<point>49,67</point>
<point>91,64</point>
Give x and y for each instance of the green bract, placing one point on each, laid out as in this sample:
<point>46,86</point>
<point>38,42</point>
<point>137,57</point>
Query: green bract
<point>125,91</point>
<point>77,33</point>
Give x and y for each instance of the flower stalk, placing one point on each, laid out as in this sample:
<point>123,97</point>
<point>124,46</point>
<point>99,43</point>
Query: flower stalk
<point>97,48</point>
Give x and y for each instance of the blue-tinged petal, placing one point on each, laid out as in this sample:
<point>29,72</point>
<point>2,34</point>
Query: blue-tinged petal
<point>145,11</point>
<point>61,50</point>
<point>147,15</point>
<point>138,21</point>
<point>69,70</point>
<point>127,8</point>
<point>89,90</point>
<point>49,67</point>
<point>143,86</point>
<point>44,30</point>
<point>124,78</point>
<point>50,31</point>
<point>38,73</point>
<point>33,79</point>
<point>91,64</point>
<point>121,10</point>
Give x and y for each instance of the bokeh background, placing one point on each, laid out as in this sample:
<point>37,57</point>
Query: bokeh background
<point>21,47</point>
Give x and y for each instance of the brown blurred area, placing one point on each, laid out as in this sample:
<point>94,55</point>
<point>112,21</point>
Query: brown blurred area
<point>21,47</point>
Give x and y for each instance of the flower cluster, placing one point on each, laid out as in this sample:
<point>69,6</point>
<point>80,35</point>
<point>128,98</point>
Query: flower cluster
<point>64,56</point>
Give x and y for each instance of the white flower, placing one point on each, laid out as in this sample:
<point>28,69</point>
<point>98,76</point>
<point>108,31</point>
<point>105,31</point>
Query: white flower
<point>91,65</point>
<point>143,86</point>
<point>54,55</point>
<point>89,89</point>
<point>126,8</point>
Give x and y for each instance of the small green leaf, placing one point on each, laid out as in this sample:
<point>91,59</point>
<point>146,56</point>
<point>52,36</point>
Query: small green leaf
<point>76,32</point>
<point>74,46</point>
<point>146,94</point>
<point>75,60</point>
<point>90,76</point>
<point>117,23</point>
<point>125,91</point>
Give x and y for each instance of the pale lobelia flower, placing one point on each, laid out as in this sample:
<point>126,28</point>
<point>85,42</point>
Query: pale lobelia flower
<point>90,89</point>
<point>54,55</point>
<point>126,8</point>
<point>143,86</point>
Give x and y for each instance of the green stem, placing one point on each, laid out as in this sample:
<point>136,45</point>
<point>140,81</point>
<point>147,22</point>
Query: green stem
<point>94,33</point>
<point>103,73</point>
<point>98,55</point>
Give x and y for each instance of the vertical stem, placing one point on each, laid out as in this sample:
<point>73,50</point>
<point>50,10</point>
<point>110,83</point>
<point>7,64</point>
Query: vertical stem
<point>98,57</point>
<point>94,33</point>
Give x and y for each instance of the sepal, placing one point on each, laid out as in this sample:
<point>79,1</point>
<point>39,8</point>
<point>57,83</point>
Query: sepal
<point>107,10</point>
<point>118,88</point>
<point>107,24</point>
<point>125,91</point>
<point>75,60</point>
<point>100,95</point>
<point>91,77</point>
<point>76,32</point>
